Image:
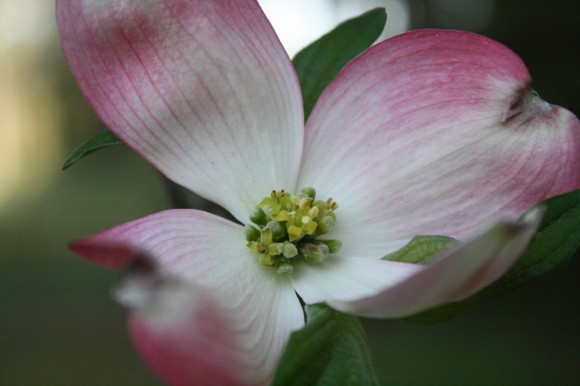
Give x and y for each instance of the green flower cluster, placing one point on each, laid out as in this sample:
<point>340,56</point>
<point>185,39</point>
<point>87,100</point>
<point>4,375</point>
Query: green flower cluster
<point>287,227</point>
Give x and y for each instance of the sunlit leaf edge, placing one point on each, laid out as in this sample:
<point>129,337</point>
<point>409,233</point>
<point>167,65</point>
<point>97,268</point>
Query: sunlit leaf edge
<point>421,249</point>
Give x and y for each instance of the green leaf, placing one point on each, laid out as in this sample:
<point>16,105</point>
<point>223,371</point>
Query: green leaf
<point>317,64</point>
<point>332,349</point>
<point>555,243</point>
<point>421,249</point>
<point>98,141</point>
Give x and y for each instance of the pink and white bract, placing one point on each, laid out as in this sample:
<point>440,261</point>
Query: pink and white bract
<point>429,132</point>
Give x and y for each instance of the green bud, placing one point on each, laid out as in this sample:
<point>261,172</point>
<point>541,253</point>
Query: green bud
<point>278,232</point>
<point>266,236</point>
<point>325,225</point>
<point>275,249</point>
<point>289,250</point>
<point>251,233</point>
<point>286,228</point>
<point>266,260</point>
<point>333,245</point>
<point>285,267</point>
<point>309,192</point>
<point>314,253</point>
<point>258,217</point>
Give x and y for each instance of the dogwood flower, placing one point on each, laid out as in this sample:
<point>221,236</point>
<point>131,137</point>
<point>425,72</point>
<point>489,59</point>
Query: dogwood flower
<point>429,132</point>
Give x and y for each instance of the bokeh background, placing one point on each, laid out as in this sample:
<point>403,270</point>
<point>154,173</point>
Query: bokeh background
<point>58,323</point>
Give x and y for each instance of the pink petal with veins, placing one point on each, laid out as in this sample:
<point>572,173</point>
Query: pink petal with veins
<point>202,89</point>
<point>435,132</point>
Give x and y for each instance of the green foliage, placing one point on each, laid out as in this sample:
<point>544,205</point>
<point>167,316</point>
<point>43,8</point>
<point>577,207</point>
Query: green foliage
<point>421,249</point>
<point>555,243</point>
<point>98,141</point>
<point>317,64</point>
<point>331,350</point>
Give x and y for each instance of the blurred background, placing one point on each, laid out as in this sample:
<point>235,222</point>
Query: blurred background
<point>58,324</point>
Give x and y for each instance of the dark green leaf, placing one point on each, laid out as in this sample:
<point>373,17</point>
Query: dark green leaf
<point>98,141</point>
<point>332,349</point>
<point>317,64</point>
<point>421,249</point>
<point>556,242</point>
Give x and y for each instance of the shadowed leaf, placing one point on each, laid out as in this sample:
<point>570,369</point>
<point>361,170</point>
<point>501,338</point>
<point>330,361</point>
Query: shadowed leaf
<point>98,141</point>
<point>317,64</point>
<point>332,349</point>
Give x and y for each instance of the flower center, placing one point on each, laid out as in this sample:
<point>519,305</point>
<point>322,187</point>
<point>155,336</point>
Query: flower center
<point>287,228</point>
